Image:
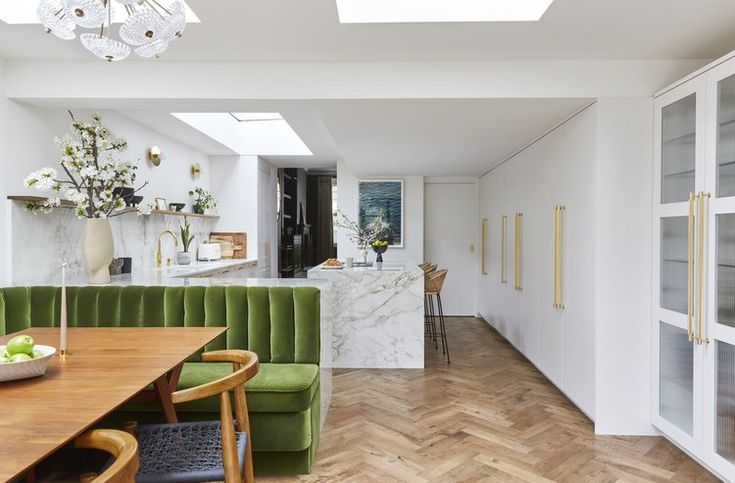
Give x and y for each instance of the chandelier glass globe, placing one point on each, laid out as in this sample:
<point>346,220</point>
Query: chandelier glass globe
<point>105,47</point>
<point>61,26</point>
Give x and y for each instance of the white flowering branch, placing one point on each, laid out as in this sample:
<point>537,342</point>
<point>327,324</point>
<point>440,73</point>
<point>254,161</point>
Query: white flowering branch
<point>359,235</point>
<point>93,175</point>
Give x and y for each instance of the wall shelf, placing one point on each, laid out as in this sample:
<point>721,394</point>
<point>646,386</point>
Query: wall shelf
<point>69,204</point>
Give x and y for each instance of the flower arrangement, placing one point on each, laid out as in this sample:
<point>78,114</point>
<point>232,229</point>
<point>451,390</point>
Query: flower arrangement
<point>362,236</point>
<point>203,200</point>
<point>91,170</point>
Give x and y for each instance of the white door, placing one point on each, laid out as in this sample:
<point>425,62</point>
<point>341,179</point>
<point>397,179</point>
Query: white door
<point>449,238</point>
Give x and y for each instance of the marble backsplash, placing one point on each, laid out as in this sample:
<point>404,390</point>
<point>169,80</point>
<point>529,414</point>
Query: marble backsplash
<point>42,242</point>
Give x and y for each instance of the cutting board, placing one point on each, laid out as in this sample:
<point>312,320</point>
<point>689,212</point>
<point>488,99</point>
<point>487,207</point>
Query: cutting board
<point>234,244</point>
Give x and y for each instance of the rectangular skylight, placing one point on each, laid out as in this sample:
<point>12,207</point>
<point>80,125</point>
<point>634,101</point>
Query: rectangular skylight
<point>419,11</point>
<point>24,12</point>
<point>248,133</point>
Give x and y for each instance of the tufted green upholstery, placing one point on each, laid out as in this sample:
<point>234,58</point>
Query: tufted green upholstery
<point>280,324</point>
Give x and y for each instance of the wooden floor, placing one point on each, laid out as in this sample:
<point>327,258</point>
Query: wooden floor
<point>490,416</point>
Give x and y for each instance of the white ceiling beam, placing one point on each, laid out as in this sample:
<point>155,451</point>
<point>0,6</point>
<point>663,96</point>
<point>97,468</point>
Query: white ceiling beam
<point>211,81</point>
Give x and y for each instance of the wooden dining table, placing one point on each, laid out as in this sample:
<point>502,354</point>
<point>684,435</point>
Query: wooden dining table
<point>105,368</point>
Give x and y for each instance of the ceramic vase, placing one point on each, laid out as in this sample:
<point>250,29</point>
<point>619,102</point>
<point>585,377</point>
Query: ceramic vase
<point>184,258</point>
<point>362,255</point>
<point>99,249</point>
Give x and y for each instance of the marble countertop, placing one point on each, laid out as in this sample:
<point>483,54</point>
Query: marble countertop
<point>386,267</point>
<point>127,279</point>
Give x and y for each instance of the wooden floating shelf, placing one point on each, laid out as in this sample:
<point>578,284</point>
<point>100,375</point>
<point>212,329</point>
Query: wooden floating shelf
<point>69,204</point>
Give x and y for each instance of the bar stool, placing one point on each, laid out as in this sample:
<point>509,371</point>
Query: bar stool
<point>429,326</point>
<point>433,284</point>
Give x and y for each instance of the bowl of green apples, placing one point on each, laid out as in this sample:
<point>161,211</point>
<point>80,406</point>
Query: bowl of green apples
<point>22,358</point>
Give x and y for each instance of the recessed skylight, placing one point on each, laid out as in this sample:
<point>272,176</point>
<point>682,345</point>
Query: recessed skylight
<point>248,133</point>
<point>418,11</point>
<point>24,12</point>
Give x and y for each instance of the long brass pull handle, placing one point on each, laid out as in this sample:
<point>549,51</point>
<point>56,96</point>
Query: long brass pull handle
<point>483,249</point>
<point>517,254</point>
<point>558,213</point>
<point>503,223</point>
<point>690,269</point>
<point>700,266</point>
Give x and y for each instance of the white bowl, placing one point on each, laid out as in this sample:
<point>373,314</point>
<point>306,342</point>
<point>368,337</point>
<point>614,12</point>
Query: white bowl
<point>13,371</point>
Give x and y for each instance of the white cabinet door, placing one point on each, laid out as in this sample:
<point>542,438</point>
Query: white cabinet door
<point>679,174</point>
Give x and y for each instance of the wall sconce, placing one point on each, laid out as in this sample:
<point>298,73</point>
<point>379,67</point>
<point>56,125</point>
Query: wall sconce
<point>155,156</point>
<point>196,170</point>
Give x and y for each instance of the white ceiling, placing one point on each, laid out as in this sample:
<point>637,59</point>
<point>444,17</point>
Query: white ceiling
<point>309,30</point>
<point>395,137</point>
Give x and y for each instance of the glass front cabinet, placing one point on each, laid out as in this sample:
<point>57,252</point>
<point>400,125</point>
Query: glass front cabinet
<point>694,267</point>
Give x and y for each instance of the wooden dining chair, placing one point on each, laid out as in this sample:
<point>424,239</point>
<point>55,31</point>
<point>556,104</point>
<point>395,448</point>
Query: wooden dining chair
<point>119,444</point>
<point>209,450</point>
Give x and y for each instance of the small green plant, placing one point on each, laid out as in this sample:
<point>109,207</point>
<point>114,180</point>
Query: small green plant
<point>203,200</point>
<point>186,236</point>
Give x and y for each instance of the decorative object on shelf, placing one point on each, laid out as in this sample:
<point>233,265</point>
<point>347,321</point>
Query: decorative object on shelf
<point>155,156</point>
<point>185,257</point>
<point>161,204</point>
<point>379,247</point>
<point>136,200</point>
<point>94,185</point>
<point>196,170</point>
<point>126,193</point>
<point>176,206</point>
<point>383,199</point>
<point>203,200</point>
<point>149,27</point>
<point>361,235</point>
<point>116,266</point>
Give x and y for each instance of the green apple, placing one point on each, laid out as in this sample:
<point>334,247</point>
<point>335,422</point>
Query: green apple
<point>22,344</point>
<point>21,358</point>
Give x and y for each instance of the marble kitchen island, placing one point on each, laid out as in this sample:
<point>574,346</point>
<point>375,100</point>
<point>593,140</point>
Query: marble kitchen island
<point>378,315</point>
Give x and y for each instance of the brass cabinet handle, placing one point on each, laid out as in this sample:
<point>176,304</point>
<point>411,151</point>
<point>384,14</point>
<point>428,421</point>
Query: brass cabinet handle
<point>702,197</point>
<point>503,223</point>
<point>557,243</point>
<point>517,254</point>
<point>690,268</point>
<point>483,249</point>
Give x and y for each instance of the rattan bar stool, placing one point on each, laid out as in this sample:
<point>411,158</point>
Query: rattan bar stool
<point>433,284</point>
<point>429,325</point>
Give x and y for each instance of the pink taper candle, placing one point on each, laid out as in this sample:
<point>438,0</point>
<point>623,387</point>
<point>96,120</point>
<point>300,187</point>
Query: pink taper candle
<point>63,321</point>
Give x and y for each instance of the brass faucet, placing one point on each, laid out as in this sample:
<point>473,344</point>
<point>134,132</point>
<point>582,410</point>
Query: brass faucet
<point>159,256</point>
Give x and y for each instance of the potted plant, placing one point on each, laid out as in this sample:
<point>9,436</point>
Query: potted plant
<point>93,184</point>
<point>203,200</point>
<point>184,257</point>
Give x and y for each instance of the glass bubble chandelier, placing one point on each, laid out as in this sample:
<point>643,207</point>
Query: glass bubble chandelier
<point>149,28</point>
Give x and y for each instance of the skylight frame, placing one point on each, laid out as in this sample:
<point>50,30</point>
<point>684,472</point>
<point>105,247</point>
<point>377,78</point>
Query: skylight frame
<point>440,11</point>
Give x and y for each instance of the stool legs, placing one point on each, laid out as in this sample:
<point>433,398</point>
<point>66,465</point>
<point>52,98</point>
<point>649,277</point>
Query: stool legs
<point>443,328</point>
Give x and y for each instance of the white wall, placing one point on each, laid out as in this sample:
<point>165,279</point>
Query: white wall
<point>624,264</point>
<point>234,183</point>
<point>413,213</point>
<point>26,137</point>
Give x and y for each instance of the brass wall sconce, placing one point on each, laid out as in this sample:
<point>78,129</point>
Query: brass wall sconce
<point>196,170</point>
<point>155,156</point>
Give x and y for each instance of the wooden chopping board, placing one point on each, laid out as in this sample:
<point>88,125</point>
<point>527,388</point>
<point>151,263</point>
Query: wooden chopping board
<point>233,244</point>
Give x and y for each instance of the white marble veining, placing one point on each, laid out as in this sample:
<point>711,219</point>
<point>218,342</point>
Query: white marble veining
<point>42,242</point>
<point>378,319</point>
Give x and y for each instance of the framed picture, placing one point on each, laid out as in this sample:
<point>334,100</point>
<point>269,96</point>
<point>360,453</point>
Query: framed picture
<point>383,197</point>
<point>161,204</point>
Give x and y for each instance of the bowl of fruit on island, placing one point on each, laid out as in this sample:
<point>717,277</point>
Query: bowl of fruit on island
<point>22,358</point>
<point>379,247</point>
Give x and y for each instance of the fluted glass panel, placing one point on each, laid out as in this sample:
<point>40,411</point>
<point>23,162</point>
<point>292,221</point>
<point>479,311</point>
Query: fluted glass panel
<point>726,137</point>
<point>678,148</point>
<point>676,377</point>
<point>674,252</point>
<point>725,430</point>
<point>726,269</point>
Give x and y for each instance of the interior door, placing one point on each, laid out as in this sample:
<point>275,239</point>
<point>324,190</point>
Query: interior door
<point>719,333</point>
<point>449,240</point>
<point>680,171</point>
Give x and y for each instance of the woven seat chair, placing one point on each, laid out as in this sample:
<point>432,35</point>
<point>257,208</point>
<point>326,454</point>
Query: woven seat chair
<point>433,284</point>
<point>204,451</point>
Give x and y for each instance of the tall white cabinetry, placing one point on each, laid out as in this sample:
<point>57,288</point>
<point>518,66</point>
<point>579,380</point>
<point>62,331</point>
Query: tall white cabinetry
<point>694,267</point>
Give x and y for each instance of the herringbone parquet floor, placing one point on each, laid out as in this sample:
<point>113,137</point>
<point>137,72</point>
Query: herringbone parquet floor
<point>490,416</point>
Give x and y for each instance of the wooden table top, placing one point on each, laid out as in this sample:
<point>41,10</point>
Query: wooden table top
<point>107,366</point>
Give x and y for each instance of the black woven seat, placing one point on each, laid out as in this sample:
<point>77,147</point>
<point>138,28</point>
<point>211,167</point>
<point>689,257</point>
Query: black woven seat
<point>183,452</point>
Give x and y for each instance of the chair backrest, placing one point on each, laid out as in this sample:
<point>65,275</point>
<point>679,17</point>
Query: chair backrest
<point>428,268</point>
<point>280,324</point>
<point>245,367</point>
<point>434,281</point>
<point>121,445</point>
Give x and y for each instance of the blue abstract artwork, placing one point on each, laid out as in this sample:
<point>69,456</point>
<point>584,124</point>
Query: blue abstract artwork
<point>384,197</point>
